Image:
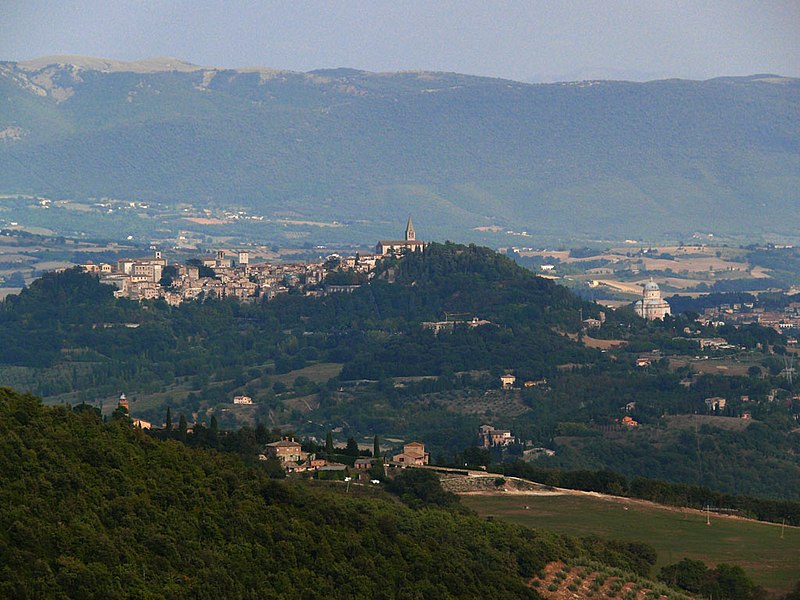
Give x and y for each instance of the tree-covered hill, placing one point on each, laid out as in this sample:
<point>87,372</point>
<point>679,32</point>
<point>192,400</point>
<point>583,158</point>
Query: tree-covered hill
<point>94,510</point>
<point>622,158</point>
<point>362,363</point>
<point>75,319</point>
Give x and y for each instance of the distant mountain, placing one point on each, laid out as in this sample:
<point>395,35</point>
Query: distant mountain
<point>607,74</point>
<point>594,158</point>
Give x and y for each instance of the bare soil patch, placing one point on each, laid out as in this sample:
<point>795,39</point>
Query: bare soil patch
<point>205,221</point>
<point>591,342</point>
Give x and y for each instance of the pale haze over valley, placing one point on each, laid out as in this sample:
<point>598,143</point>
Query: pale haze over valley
<point>344,118</point>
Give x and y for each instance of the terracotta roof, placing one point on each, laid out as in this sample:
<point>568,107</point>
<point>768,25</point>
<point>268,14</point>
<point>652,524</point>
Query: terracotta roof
<point>283,444</point>
<point>402,242</point>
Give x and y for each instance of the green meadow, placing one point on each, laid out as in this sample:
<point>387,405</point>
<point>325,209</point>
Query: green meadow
<point>769,553</point>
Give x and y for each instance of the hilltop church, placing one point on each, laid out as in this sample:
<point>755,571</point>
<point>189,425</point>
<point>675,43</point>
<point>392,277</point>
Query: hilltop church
<point>410,244</point>
<point>651,306</point>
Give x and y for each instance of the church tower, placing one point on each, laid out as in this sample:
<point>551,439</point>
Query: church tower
<point>410,233</point>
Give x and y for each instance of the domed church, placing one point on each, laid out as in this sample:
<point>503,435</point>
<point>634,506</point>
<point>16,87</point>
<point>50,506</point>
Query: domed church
<point>651,306</point>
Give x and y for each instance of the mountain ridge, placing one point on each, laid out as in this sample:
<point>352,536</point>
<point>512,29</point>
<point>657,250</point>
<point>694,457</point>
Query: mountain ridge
<point>634,159</point>
<point>156,64</point>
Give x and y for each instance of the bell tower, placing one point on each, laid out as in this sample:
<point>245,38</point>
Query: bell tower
<point>410,233</point>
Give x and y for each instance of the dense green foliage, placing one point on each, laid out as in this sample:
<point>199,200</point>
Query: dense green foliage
<point>71,313</point>
<point>468,282</point>
<point>93,510</point>
<point>370,367</point>
<point>417,488</point>
<point>605,157</point>
<point>783,263</point>
<point>723,582</point>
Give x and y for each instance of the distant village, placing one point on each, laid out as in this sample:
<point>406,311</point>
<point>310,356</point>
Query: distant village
<point>229,274</point>
<point>747,313</point>
<point>293,459</point>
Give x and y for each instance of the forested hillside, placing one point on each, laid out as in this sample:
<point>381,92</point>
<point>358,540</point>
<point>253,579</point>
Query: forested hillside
<point>605,158</point>
<point>362,363</point>
<point>72,318</point>
<point>93,510</point>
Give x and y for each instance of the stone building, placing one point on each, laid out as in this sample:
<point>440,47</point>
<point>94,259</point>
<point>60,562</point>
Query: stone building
<point>413,454</point>
<point>286,450</point>
<point>651,306</point>
<point>410,244</point>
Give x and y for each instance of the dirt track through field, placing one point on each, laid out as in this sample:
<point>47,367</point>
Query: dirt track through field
<point>481,483</point>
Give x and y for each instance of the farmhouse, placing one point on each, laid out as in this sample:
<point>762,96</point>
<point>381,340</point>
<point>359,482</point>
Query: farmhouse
<point>713,343</point>
<point>413,454</point>
<point>495,437</point>
<point>363,463</point>
<point>715,403</point>
<point>507,381</point>
<point>286,450</point>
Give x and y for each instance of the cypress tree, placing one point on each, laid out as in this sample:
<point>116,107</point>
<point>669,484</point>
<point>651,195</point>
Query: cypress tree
<point>376,447</point>
<point>169,420</point>
<point>213,430</point>
<point>262,435</point>
<point>183,427</point>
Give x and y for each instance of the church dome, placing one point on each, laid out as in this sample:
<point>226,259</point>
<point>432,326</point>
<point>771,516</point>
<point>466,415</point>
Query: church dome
<point>651,286</point>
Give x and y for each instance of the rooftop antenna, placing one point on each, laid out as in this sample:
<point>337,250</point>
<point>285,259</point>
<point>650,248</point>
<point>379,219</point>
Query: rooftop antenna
<point>708,514</point>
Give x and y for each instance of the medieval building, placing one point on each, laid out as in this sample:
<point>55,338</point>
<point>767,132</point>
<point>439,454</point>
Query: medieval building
<point>409,244</point>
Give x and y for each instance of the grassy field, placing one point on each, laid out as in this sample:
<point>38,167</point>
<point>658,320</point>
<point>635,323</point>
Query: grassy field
<point>771,560</point>
<point>318,373</point>
<point>730,365</point>
<point>692,422</point>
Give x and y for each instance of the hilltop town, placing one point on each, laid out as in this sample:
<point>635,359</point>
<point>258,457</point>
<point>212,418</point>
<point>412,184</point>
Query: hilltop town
<point>230,274</point>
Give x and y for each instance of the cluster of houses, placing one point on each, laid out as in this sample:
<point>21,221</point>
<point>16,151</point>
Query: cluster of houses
<point>491,437</point>
<point>231,275</point>
<point>218,276</point>
<point>508,381</point>
<point>294,460</point>
<point>746,313</point>
<point>449,325</point>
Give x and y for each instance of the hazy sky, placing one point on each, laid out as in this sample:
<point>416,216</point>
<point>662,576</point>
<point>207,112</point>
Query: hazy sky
<point>534,40</point>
